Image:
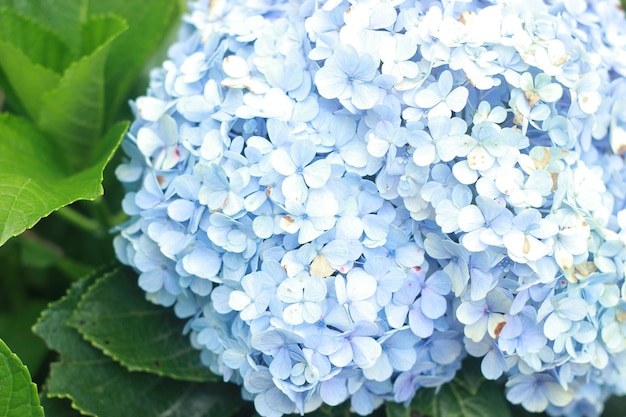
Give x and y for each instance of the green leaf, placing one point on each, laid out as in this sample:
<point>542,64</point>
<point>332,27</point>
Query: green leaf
<point>147,27</point>
<point>34,179</point>
<point>66,16</point>
<point>73,113</point>
<point>41,45</point>
<point>36,252</point>
<point>115,317</point>
<point>31,65</point>
<point>615,406</point>
<point>15,331</point>
<point>467,395</point>
<point>19,395</point>
<point>99,386</point>
<point>341,410</point>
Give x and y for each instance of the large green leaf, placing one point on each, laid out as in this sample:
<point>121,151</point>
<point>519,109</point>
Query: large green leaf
<point>31,58</point>
<point>115,317</point>
<point>148,26</point>
<point>34,178</point>
<point>41,45</point>
<point>99,386</point>
<point>15,331</point>
<point>467,395</point>
<point>73,113</point>
<point>66,16</point>
<point>19,395</point>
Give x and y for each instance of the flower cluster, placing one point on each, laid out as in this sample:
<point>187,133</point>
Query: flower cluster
<point>346,197</point>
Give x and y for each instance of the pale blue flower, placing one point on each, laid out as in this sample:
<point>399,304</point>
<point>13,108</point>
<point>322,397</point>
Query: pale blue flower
<point>311,218</point>
<point>484,316</point>
<point>447,138</point>
<point>398,354</point>
<point>222,192</point>
<point>355,293</point>
<point>524,240</point>
<point>232,235</point>
<point>440,97</point>
<point>419,313</point>
<point>303,296</point>
<point>484,224</point>
<point>440,187</point>
<point>300,170</point>
<point>357,346</point>
<point>348,76</point>
<point>536,391</point>
<point>346,198</point>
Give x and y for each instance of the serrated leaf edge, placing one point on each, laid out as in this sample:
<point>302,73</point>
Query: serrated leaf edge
<point>73,287</point>
<point>44,28</point>
<point>72,402</point>
<point>107,352</point>
<point>66,76</point>
<point>33,387</point>
<point>95,193</point>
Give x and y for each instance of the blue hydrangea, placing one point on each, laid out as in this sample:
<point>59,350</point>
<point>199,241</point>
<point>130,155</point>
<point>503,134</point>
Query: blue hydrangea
<point>345,198</point>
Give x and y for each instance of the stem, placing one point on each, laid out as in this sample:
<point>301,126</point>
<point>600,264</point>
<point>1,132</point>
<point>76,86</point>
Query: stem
<point>79,220</point>
<point>102,212</point>
<point>118,218</point>
<point>14,291</point>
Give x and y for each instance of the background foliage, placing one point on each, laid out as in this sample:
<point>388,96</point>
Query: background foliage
<point>67,70</point>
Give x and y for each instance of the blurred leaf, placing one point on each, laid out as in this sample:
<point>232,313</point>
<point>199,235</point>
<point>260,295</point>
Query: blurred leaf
<point>97,385</point>
<point>341,410</point>
<point>615,406</point>
<point>10,102</point>
<point>65,15</point>
<point>15,331</point>
<point>147,27</point>
<point>34,180</point>
<point>115,317</point>
<point>467,395</point>
<point>73,114</point>
<point>39,44</point>
<point>19,395</point>
<point>36,252</point>
<point>519,411</point>
<point>28,61</point>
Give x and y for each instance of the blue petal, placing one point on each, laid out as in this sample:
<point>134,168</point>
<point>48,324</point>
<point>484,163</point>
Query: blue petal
<point>281,364</point>
<point>334,391</point>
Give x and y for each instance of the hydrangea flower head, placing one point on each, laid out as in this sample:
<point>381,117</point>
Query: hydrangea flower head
<point>344,198</point>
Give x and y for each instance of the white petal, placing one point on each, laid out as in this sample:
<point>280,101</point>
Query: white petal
<point>235,66</point>
<point>311,312</point>
<point>361,285</point>
<point>148,141</point>
<point>150,108</point>
<point>365,351</point>
<point>470,218</point>
<point>377,147</point>
<point>238,300</point>
<point>317,173</point>
<point>314,289</point>
<point>293,314</point>
<point>427,97</point>
<point>479,159</point>
<point>282,163</point>
<point>291,290</point>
